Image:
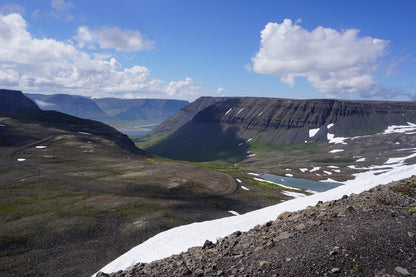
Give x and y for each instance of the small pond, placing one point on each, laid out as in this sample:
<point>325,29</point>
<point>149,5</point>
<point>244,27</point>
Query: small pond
<point>301,183</point>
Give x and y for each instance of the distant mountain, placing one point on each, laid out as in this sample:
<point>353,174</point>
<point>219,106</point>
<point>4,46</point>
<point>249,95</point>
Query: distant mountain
<point>117,112</point>
<point>75,105</point>
<point>145,110</point>
<point>13,100</point>
<point>221,129</point>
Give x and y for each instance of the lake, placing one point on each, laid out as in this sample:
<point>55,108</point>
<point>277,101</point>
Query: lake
<point>301,183</point>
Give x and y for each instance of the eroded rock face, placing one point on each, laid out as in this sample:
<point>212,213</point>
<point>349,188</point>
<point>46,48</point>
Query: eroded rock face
<point>14,100</point>
<point>217,125</point>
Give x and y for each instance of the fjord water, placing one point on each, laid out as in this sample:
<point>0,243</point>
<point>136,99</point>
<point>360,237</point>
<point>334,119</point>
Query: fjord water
<point>301,183</point>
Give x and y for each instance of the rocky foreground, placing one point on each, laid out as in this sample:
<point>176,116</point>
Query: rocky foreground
<point>370,234</point>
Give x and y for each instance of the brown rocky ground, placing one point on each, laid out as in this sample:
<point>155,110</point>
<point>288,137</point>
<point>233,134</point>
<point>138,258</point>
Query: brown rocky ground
<point>370,234</point>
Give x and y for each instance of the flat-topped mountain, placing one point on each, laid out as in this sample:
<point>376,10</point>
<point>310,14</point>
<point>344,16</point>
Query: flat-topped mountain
<point>120,113</point>
<point>13,100</point>
<point>223,125</point>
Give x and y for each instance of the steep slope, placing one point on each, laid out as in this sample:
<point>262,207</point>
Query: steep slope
<point>221,129</point>
<point>369,234</point>
<point>12,100</point>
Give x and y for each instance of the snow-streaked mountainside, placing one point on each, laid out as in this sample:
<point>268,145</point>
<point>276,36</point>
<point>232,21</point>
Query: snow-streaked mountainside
<point>218,128</point>
<point>181,238</point>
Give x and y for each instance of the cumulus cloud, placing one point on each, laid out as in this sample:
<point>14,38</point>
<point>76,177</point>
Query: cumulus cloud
<point>186,87</point>
<point>334,62</point>
<point>48,65</point>
<point>113,38</point>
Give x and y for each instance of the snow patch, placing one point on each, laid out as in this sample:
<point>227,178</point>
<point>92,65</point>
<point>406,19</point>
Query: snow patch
<point>360,160</point>
<point>244,188</point>
<point>233,212</point>
<point>328,172</point>
<point>410,127</point>
<point>312,132</point>
<point>254,174</point>
<point>315,168</point>
<point>21,160</point>
<point>336,140</point>
<point>238,180</point>
<point>240,111</point>
<point>336,150</point>
<point>303,169</point>
<point>329,126</point>
<point>84,133</point>
<point>40,147</point>
<point>289,175</point>
<point>228,111</point>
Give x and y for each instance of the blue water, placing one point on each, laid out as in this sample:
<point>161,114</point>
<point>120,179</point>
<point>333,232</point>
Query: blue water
<point>301,183</point>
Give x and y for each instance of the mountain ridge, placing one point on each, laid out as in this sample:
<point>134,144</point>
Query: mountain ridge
<point>271,122</point>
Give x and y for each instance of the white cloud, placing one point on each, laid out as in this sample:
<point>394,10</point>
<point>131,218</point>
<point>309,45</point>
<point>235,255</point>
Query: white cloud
<point>182,88</point>
<point>220,90</point>
<point>113,38</point>
<point>61,6</point>
<point>334,62</point>
<point>48,65</point>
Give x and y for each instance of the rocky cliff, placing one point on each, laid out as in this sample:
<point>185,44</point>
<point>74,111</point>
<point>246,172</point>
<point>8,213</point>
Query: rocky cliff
<point>13,100</point>
<point>227,122</point>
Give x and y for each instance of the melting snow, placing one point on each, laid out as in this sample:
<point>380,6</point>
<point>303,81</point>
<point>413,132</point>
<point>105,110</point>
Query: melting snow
<point>233,212</point>
<point>21,160</point>
<point>400,128</point>
<point>333,166</point>
<point>289,175</point>
<point>332,139</point>
<point>328,172</point>
<point>303,169</point>
<point>315,168</point>
<point>329,126</point>
<point>312,132</point>
<point>238,180</point>
<point>249,139</point>
<point>336,150</point>
<point>244,188</point>
<point>228,111</point>
<point>240,111</point>
<point>360,160</point>
<point>254,174</point>
<point>40,147</point>
<point>260,113</point>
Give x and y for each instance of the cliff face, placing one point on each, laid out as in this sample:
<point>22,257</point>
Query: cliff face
<point>223,125</point>
<point>13,100</point>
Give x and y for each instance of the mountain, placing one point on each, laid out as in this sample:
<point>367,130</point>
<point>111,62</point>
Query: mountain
<point>13,100</point>
<point>75,105</point>
<point>120,113</point>
<point>141,111</point>
<point>223,128</point>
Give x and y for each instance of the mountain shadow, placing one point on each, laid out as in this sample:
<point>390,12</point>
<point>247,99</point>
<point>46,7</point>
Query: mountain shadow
<point>201,142</point>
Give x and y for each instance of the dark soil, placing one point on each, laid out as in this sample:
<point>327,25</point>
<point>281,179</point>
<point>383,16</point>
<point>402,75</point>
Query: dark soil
<point>370,234</point>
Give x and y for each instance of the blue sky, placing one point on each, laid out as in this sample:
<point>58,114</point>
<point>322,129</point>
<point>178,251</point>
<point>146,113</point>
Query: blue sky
<point>189,48</point>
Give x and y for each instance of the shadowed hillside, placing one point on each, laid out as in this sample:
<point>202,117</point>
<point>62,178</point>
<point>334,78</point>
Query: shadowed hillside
<point>227,122</point>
